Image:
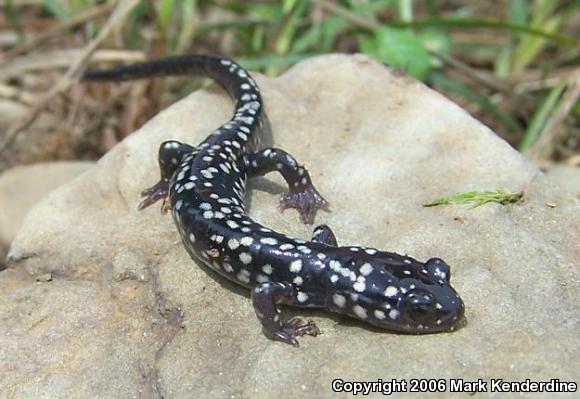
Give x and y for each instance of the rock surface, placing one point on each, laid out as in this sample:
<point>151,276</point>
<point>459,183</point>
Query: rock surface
<point>566,177</point>
<point>22,187</point>
<point>102,300</point>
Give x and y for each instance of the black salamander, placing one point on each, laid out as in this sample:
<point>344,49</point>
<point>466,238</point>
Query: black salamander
<point>206,186</point>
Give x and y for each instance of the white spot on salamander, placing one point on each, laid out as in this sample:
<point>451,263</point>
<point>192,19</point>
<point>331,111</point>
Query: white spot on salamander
<point>359,311</point>
<point>217,238</point>
<point>339,300</point>
<point>247,241</point>
<point>233,243</point>
<point>391,291</point>
<point>335,265</point>
<point>269,241</point>
<point>302,297</point>
<point>267,269</point>
<point>379,314</point>
<point>360,285</point>
<point>296,266</point>
<point>304,249</point>
<point>244,276</point>
<point>232,224</point>
<point>246,258</point>
<point>366,269</point>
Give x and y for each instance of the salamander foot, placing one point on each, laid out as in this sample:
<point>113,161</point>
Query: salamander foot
<point>293,328</point>
<point>307,202</point>
<point>159,191</point>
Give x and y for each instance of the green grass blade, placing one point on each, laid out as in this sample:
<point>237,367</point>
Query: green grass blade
<point>442,82</point>
<point>273,60</point>
<point>405,10</point>
<point>12,17</point>
<point>479,198</point>
<point>56,8</point>
<point>561,39</point>
<point>286,37</point>
<point>131,24</point>
<point>517,14</point>
<point>187,31</point>
<point>531,46</point>
<point>541,116</point>
<point>164,13</point>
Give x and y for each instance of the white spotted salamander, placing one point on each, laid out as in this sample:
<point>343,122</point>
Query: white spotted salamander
<point>206,186</point>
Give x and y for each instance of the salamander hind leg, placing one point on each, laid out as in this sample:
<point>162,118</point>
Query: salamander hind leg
<point>171,153</point>
<point>324,235</point>
<point>302,194</point>
<point>265,297</point>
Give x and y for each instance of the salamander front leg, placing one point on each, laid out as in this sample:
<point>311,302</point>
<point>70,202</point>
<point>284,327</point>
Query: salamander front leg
<point>171,153</point>
<point>265,297</point>
<point>324,235</point>
<point>303,195</point>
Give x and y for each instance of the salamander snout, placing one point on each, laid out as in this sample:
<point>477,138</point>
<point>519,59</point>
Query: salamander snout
<point>432,304</point>
<point>432,309</point>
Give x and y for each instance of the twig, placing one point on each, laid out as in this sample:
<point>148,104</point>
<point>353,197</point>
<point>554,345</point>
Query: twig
<point>8,38</point>
<point>539,74</point>
<point>343,12</point>
<point>538,85</point>
<point>119,14</point>
<point>62,59</point>
<point>552,126</point>
<point>21,3</point>
<point>482,78</point>
<point>573,160</point>
<point>71,23</point>
<point>21,96</point>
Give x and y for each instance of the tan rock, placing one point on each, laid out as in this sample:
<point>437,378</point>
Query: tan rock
<point>566,177</point>
<point>108,323</point>
<point>22,187</point>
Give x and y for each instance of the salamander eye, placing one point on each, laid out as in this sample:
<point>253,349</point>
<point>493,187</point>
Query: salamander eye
<point>420,306</point>
<point>438,269</point>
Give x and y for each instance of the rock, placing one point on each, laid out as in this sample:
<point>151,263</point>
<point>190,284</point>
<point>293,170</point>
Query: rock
<point>129,314</point>
<point>566,177</point>
<point>22,187</point>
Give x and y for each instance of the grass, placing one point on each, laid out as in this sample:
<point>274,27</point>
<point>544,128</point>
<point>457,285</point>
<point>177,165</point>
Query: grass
<point>484,57</point>
<point>479,198</point>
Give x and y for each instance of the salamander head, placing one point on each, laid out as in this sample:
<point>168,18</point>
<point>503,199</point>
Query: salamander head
<point>409,296</point>
<point>425,301</point>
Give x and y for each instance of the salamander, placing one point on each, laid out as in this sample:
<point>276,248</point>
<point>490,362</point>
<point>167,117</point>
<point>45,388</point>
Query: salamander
<point>204,188</point>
